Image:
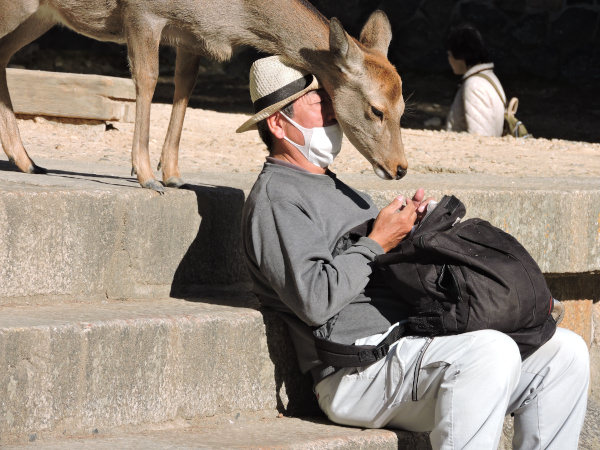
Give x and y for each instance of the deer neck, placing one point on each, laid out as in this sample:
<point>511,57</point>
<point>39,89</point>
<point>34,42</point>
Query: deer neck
<point>294,29</point>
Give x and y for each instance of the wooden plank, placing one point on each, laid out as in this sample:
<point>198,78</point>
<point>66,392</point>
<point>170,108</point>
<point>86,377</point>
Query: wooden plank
<point>36,92</point>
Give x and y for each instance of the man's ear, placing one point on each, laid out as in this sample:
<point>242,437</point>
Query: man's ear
<point>377,32</point>
<point>274,124</point>
<point>346,54</point>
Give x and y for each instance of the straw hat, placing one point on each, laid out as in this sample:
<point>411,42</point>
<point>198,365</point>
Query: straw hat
<point>274,84</point>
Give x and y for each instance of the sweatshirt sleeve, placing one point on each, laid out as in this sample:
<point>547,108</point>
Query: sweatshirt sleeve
<point>293,254</point>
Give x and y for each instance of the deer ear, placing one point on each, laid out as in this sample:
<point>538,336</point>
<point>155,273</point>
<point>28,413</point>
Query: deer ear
<point>346,53</point>
<point>377,32</point>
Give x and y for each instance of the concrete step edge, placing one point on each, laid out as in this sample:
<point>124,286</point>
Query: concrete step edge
<point>249,431</point>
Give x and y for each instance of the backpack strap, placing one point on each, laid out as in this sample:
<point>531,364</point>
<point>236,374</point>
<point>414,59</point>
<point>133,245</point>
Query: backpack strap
<point>514,125</point>
<point>349,355</point>
<point>483,75</point>
<point>511,109</point>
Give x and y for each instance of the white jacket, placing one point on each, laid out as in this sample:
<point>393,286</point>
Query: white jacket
<point>477,108</point>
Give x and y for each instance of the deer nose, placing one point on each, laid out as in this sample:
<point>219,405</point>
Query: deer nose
<point>400,173</point>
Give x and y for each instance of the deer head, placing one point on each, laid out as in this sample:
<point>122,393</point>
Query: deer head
<point>367,94</point>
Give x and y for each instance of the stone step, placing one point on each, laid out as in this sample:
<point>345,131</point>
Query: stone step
<point>78,355</point>
<point>89,231</point>
<point>262,430</point>
<point>70,369</point>
<point>73,367</point>
<point>63,237</point>
<point>239,431</point>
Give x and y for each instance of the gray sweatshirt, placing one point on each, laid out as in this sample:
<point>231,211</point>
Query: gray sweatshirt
<point>291,222</point>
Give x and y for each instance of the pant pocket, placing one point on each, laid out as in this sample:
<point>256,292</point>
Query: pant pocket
<point>434,360</point>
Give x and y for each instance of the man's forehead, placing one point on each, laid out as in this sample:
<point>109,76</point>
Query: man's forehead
<point>315,95</point>
<point>311,97</point>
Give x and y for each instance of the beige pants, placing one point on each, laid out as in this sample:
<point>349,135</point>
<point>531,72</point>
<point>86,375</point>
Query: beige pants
<point>460,388</point>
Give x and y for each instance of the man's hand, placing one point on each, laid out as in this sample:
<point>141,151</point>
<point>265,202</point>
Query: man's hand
<point>394,222</point>
<point>420,204</point>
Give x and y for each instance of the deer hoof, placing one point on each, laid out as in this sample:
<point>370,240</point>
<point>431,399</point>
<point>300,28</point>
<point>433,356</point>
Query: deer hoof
<point>174,182</point>
<point>34,168</point>
<point>154,185</point>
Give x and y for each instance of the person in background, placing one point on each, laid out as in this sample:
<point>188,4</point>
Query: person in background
<point>479,103</point>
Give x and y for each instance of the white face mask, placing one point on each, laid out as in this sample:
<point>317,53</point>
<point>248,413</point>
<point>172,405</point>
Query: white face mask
<point>321,144</point>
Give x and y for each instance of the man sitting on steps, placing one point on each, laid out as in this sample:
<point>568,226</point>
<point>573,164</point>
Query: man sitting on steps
<point>458,388</point>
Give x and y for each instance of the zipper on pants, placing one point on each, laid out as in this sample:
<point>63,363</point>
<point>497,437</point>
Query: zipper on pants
<point>418,368</point>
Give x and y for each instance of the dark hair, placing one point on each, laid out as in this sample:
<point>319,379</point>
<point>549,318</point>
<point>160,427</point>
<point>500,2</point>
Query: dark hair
<point>263,128</point>
<point>465,42</point>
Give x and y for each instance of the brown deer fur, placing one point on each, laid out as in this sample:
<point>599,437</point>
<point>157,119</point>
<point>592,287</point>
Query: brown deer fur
<point>365,87</point>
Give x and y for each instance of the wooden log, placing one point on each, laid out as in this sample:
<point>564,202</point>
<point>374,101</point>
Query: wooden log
<point>36,92</point>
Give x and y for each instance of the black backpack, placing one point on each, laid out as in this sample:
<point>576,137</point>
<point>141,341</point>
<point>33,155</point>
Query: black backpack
<point>468,275</point>
<point>457,276</point>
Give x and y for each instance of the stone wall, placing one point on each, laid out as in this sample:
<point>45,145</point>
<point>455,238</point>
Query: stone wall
<point>553,39</point>
<point>557,40</point>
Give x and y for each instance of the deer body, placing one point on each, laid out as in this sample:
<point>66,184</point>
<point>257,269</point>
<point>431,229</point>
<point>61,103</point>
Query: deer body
<point>365,88</point>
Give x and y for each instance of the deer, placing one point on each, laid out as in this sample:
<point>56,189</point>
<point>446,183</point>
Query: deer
<point>365,87</point>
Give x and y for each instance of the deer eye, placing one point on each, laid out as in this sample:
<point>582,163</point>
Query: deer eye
<point>377,112</point>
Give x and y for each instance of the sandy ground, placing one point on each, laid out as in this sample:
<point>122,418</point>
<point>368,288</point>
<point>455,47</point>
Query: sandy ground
<point>209,143</point>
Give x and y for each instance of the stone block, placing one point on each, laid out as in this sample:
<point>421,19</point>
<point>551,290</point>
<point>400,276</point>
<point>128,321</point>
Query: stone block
<point>48,249</point>
<point>438,12</point>
<point>253,432</point>
<point>578,318</point>
<point>35,92</point>
<point>582,64</point>
<point>511,7</point>
<point>399,12</point>
<point>530,30</point>
<point>489,20</point>
<point>58,243</point>
<point>580,2</point>
<point>542,232</point>
<point>545,5</point>
<point>595,355</point>
<point>596,323</point>
<point>353,13</point>
<point>63,238</point>
<point>539,60</point>
<point>415,38</point>
<point>75,368</point>
<point>573,28</point>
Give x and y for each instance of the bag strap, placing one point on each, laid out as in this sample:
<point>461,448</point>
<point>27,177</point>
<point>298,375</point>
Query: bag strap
<point>349,355</point>
<point>510,109</point>
<point>483,75</point>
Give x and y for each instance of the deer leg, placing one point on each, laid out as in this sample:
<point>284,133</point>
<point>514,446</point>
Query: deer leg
<point>10,137</point>
<point>143,41</point>
<point>186,71</point>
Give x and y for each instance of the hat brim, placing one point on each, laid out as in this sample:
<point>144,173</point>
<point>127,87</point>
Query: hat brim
<point>250,124</point>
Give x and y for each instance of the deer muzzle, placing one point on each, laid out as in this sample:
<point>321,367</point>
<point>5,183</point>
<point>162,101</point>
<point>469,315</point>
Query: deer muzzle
<point>381,172</point>
<point>400,172</point>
